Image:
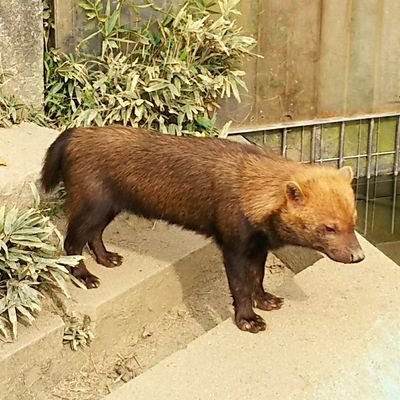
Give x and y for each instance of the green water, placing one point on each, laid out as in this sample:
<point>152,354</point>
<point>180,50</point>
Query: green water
<point>378,205</point>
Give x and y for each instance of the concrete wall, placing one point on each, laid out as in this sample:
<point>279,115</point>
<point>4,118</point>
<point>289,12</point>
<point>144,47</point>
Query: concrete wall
<point>21,49</point>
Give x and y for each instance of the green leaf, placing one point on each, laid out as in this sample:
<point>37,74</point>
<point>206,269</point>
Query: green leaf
<point>204,122</point>
<point>56,88</point>
<point>87,117</point>
<point>12,316</point>
<point>2,214</point>
<point>182,65</point>
<point>29,317</point>
<point>85,6</point>
<point>4,247</point>
<point>180,15</point>
<point>225,130</point>
<point>9,221</point>
<point>156,86</point>
<point>59,278</point>
<point>3,306</point>
<point>110,23</point>
<point>133,84</point>
<point>4,327</point>
<point>36,196</point>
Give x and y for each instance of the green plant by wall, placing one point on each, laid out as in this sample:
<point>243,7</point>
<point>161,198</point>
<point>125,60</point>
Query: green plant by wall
<point>48,24</point>
<point>167,75</point>
<point>10,109</point>
<point>30,264</point>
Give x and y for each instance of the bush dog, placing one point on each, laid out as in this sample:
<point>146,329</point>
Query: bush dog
<point>248,200</point>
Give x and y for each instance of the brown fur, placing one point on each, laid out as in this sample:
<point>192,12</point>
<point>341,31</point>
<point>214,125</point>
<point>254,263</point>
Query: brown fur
<point>249,201</point>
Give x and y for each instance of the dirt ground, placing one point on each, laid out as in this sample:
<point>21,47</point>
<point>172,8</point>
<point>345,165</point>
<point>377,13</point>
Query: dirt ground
<point>210,303</point>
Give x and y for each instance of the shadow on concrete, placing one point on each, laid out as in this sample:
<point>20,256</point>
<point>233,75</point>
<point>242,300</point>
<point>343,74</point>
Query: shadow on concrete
<point>196,263</point>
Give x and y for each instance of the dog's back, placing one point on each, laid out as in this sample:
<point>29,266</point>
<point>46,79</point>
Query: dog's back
<point>181,180</point>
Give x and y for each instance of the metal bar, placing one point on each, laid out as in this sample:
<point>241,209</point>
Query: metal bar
<point>313,135</point>
<point>341,145</point>
<point>370,143</point>
<point>284,142</point>
<point>394,204</point>
<point>392,241</point>
<point>366,209</point>
<point>375,175</point>
<point>298,124</point>
<point>383,153</point>
<point>378,131</point>
<point>358,156</point>
<point>358,149</point>
<point>321,139</point>
<point>302,145</point>
<point>397,151</point>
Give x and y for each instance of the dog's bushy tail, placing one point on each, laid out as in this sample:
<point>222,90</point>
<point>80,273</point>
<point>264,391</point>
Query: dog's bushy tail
<point>52,167</point>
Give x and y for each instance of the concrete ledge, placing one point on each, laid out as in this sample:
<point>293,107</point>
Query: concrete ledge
<point>297,258</point>
<point>23,362</point>
<point>161,265</point>
<point>22,147</point>
<point>336,338</point>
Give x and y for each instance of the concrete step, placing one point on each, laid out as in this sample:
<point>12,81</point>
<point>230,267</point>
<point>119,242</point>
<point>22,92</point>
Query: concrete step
<point>22,148</point>
<point>23,362</point>
<point>161,265</point>
<point>336,338</point>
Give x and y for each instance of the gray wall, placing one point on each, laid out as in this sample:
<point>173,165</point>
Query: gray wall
<point>21,49</point>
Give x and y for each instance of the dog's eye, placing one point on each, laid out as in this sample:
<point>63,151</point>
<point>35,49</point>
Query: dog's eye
<point>330,229</point>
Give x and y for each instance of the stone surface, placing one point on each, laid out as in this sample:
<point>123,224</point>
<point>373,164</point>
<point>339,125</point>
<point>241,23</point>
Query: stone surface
<point>161,265</point>
<point>336,338</point>
<point>22,148</point>
<point>21,49</point>
<point>24,362</point>
<point>297,258</point>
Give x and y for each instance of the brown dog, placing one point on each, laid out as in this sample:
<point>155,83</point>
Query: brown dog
<point>247,200</point>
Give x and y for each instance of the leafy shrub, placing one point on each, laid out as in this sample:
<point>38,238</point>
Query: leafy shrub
<point>78,333</point>
<point>48,23</point>
<point>10,109</point>
<point>13,112</point>
<point>30,263</point>
<point>167,75</point>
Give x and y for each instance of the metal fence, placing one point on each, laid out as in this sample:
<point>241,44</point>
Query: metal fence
<point>369,143</point>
